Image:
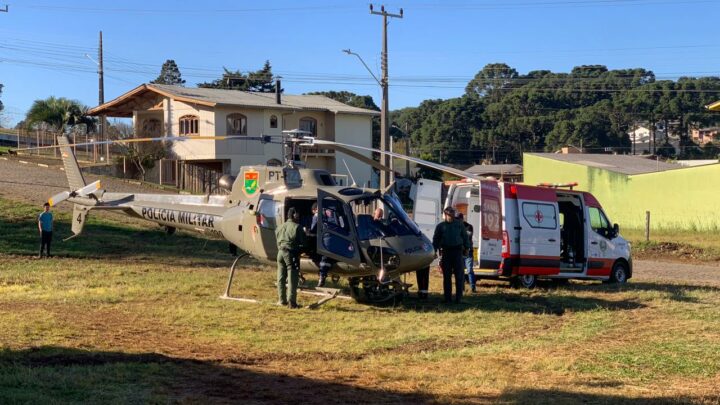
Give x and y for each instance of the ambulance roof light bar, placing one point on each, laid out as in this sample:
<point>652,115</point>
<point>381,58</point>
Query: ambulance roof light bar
<point>559,185</point>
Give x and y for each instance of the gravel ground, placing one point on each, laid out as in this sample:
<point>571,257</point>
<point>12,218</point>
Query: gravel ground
<point>30,183</point>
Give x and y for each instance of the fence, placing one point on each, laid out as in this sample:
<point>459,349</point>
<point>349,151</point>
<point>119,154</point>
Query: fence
<point>22,138</point>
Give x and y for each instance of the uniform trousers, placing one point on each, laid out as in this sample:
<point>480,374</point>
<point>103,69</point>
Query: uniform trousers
<point>288,269</point>
<point>452,264</point>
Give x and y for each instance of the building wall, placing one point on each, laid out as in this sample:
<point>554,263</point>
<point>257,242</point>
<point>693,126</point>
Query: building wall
<point>193,150</point>
<point>677,199</point>
<point>355,130</point>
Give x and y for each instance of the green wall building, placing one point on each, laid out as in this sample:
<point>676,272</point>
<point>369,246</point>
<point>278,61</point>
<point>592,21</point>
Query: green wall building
<point>677,197</point>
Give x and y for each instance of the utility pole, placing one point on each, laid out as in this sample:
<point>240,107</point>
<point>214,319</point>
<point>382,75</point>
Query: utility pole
<point>385,177</point>
<point>101,99</point>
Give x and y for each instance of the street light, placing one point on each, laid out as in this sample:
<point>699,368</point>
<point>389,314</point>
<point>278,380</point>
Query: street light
<point>349,52</point>
<point>383,123</point>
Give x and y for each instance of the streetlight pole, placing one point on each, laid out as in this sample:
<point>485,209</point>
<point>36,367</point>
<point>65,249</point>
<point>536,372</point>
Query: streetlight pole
<point>385,178</point>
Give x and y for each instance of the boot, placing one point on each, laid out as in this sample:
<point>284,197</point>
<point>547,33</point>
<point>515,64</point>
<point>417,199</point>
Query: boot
<point>321,282</point>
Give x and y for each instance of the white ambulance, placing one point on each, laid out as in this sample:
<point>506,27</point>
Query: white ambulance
<point>523,232</point>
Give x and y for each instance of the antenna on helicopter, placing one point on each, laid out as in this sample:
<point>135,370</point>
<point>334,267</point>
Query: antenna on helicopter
<point>354,184</point>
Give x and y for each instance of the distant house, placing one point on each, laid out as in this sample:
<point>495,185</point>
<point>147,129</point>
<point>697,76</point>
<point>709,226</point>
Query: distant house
<point>644,142</point>
<point>507,172</point>
<point>703,136</point>
<point>165,110</point>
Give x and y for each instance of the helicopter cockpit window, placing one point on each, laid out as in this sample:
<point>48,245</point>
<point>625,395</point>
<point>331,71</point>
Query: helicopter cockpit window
<point>394,221</point>
<point>334,218</point>
<point>292,177</point>
<point>266,214</point>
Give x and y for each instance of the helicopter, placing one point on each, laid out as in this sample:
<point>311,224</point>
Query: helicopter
<point>372,253</point>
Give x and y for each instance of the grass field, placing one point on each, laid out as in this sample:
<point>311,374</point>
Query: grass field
<point>126,314</point>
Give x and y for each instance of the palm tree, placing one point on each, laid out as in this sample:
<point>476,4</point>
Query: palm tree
<point>59,112</point>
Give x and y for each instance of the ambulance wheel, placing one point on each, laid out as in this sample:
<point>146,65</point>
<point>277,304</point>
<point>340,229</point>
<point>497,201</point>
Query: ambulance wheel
<point>528,281</point>
<point>619,273</point>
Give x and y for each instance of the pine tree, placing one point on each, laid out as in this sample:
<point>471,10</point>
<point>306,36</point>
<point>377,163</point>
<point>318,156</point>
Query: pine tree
<point>169,74</point>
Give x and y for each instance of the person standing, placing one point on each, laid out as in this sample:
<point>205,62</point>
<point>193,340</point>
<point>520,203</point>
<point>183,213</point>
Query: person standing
<point>451,241</point>
<point>323,262</point>
<point>468,259</point>
<point>290,239</point>
<point>45,226</point>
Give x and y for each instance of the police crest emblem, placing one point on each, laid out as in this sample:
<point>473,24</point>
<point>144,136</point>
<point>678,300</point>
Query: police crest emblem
<point>251,181</point>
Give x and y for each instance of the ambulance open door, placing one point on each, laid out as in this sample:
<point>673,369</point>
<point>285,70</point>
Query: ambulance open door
<point>539,230</point>
<point>428,205</point>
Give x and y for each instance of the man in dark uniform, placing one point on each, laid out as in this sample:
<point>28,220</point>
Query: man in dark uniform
<point>290,239</point>
<point>451,241</point>
<point>468,259</point>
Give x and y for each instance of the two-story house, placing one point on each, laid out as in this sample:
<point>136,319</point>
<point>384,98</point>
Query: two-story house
<point>165,110</point>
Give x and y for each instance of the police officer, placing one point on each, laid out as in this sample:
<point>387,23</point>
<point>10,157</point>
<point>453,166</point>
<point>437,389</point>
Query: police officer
<point>290,239</point>
<point>452,243</point>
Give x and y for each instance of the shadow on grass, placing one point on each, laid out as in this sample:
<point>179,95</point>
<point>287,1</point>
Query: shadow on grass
<point>510,302</point>
<point>675,292</point>
<point>103,240</point>
<point>542,396</point>
<point>63,375</point>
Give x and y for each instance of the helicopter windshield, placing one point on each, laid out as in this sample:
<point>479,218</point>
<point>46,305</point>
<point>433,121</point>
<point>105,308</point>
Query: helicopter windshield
<point>388,219</point>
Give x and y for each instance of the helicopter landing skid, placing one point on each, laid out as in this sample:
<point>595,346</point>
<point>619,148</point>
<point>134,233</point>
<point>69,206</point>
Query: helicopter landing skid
<point>327,294</point>
<point>227,296</point>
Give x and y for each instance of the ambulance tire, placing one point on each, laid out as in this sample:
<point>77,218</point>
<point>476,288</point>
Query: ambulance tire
<point>619,273</point>
<point>527,281</point>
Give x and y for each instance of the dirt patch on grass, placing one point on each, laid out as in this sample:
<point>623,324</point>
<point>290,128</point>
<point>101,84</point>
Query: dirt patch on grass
<point>674,252</point>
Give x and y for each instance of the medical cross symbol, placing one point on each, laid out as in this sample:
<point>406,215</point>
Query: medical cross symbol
<point>538,216</point>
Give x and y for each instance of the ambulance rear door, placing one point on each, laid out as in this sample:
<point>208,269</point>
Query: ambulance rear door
<point>428,205</point>
<point>489,231</point>
<point>539,230</point>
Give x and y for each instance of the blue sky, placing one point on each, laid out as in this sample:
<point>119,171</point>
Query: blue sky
<point>434,50</point>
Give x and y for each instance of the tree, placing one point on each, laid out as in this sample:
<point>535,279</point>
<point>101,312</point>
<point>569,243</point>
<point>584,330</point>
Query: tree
<point>491,81</point>
<point>169,74</point>
<point>260,81</point>
<point>58,113</point>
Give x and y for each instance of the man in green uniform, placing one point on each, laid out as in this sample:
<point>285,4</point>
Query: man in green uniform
<point>290,239</point>
<point>451,241</point>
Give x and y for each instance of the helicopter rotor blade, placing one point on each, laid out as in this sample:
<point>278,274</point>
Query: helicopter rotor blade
<point>351,153</point>
<point>261,138</point>
<point>344,147</point>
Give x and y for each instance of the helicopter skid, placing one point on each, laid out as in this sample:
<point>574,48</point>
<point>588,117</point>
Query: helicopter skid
<point>227,296</point>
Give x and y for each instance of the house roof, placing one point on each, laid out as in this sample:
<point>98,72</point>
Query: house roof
<point>626,164</point>
<point>141,97</point>
<point>486,170</point>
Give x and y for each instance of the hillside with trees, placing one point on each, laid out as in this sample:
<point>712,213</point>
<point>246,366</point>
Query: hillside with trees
<point>503,113</point>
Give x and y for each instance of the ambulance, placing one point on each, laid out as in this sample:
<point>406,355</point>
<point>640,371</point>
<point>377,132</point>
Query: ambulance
<point>523,232</point>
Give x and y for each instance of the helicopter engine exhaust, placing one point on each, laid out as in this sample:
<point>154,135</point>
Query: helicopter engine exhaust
<point>226,182</point>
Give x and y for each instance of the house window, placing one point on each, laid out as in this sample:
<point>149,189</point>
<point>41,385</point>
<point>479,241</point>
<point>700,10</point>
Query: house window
<point>189,125</point>
<point>236,124</point>
<point>309,124</point>
<point>273,121</point>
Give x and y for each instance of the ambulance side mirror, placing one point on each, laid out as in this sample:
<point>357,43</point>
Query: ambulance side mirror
<point>616,230</point>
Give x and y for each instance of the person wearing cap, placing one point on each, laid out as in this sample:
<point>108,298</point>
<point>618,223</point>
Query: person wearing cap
<point>451,242</point>
<point>290,239</point>
<point>468,259</point>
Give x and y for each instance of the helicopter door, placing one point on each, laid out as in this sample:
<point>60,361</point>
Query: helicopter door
<point>337,237</point>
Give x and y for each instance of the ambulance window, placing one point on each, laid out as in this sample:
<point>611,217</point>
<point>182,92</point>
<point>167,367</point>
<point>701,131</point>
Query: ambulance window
<point>598,220</point>
<point>266,213</point>
<point>540,215</point>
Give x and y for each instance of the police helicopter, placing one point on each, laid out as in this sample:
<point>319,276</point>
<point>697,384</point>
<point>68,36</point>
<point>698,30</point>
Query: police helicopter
<point>372,253</point>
